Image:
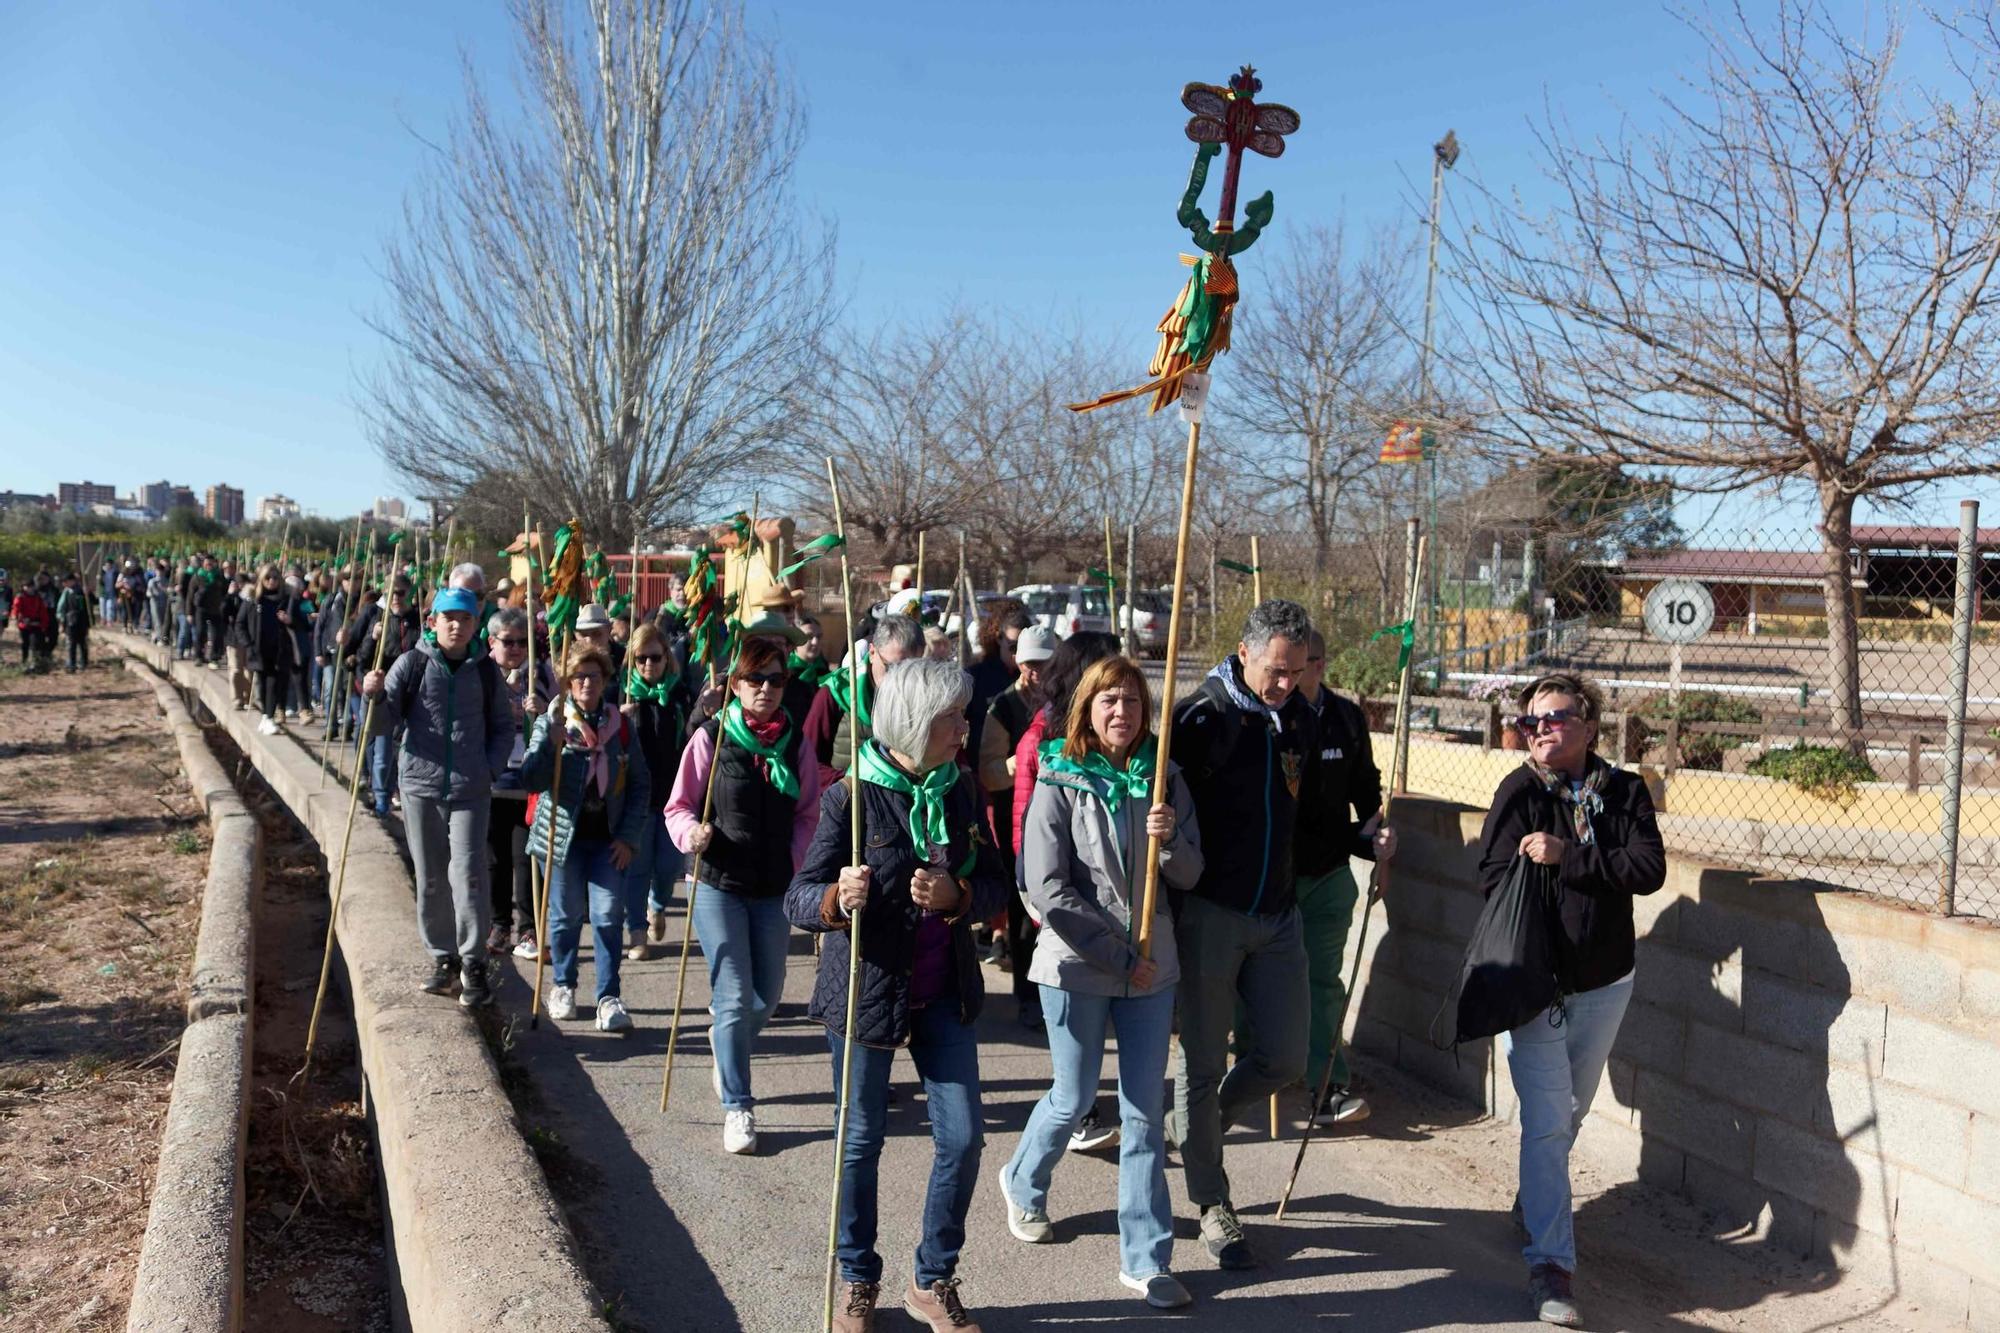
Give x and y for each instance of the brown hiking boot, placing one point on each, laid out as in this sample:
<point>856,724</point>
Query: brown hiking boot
<point>939,1307</point>
<point>854,1307</point>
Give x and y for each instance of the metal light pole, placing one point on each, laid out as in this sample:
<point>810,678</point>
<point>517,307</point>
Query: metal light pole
<point>1444,154</point>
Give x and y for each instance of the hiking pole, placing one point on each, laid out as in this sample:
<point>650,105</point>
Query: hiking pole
<point>854,917</point>
<point>694,887</point>
<point>347,837</point>
<point>1378,879</point>
<point>340,660</point>
<point>1166,714</point>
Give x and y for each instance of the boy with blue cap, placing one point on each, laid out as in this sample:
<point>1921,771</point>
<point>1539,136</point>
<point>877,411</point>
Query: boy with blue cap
<point>452,702</point>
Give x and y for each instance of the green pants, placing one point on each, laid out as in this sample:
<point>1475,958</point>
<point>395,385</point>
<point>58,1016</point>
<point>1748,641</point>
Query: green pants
<point>1326,912</point>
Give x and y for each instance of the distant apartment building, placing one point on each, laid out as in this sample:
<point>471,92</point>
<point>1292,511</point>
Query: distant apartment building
<point>225,505</point>
<point>83,494</point>
<point>25,500</point>
<point>163,496</point>
<point>390,511</point>
<point>276,508</point>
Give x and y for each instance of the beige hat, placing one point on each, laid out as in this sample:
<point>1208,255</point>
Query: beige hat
<point>774,627</point>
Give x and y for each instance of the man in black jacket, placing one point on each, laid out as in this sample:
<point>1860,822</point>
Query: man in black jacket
<point>1339,819</point>
<point>1245,742</point>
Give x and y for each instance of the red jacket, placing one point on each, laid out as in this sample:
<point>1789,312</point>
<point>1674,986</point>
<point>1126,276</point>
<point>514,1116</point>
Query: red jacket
<point>1027,767</point>
<point>30,611</point>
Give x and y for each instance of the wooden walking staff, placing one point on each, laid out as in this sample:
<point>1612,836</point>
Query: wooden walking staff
<point>854,918</point>
<point>336,699</point>
<point>346,837</point>
<point>562,575</point>
<point>707,812</point>
<point>1378,874</point>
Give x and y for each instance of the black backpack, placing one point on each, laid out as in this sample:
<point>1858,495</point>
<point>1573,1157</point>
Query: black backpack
<point>1514,964</point>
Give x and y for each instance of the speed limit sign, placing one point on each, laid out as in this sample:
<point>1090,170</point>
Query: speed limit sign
<point>1679,611</point>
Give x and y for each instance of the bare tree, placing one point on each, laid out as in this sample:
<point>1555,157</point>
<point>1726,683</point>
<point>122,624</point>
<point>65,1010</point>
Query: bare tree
<point>1322,362</point>
<point>1789,282</point>
<point>610,299</point>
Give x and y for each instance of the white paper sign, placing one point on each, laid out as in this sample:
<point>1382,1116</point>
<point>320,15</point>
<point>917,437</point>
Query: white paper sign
<point>1194,396</point>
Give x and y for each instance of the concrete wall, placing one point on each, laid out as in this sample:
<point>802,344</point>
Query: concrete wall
<point>1820,1069</point>
<point>478,1240</point>
<point>190,1277</point>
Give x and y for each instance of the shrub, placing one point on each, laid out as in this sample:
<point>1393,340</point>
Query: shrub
<point>1825,771</point>
<point>1363,668</point>
<point>1698,749</point>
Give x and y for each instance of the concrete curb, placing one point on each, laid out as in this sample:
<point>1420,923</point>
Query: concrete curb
<point>190,1276</point>
<point>478,1239</point>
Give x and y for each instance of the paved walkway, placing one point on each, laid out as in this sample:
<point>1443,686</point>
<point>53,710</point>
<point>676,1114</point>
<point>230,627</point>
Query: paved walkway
<point>1401,1227</point>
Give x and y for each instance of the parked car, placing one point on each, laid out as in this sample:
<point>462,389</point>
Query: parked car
<point>1150,613</point>
<point>1066,608</point>
<point>951,621</point>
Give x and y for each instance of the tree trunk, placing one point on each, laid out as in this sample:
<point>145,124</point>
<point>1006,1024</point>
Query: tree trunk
<point>1843,639</point>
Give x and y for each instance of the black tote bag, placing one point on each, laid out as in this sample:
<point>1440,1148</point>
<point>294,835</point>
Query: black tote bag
<point>1512,968</point>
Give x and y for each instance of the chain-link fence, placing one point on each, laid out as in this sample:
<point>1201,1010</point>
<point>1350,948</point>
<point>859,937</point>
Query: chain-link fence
<point>1766,744</point>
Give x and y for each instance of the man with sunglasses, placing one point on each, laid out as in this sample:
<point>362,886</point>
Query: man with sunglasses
<point>1340,817</point>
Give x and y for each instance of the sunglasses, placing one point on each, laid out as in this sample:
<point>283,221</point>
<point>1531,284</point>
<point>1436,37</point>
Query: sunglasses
<point>1533,724</point>
<point>512,643</point>
<point>765,678</point>
<point>649,657</point>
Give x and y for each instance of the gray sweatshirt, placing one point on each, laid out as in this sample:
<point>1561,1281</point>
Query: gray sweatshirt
<point>1084,866</point>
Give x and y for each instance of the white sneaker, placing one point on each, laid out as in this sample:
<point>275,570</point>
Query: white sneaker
<point>1162,1290</point>
<point>1026,1224</point>
<point>562,1002</point>
<point>739,1132</point>
<point>266,727</point>
<point>611,1015</point>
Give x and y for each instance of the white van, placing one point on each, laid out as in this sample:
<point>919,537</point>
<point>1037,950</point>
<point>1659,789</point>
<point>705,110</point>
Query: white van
<point>1066,608</point>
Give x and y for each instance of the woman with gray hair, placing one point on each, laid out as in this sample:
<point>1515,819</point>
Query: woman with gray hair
<point>929,873</point>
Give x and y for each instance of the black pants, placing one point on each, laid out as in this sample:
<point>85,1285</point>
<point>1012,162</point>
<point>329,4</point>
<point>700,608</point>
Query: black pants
<point>507,839</point>
<point>1021,928</point>
<point>79,649</point>
<point>273,672</point>
<point>209,629</point>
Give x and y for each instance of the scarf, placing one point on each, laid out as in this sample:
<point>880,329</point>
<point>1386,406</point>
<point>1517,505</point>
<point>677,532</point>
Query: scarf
<point>811,670</point>
<point>1584,803</point>
<point>1230,672</point>
<point>639,692</point>
<point>841,681</point>
<point>742,733</point>
<point>580,732</point>
<point>927,823</point>
<point>1110,783</point>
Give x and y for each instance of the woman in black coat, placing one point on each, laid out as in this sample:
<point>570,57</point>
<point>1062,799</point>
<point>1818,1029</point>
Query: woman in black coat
<point>1566,808</point>
<point>267,626</point>
<point>929,872</point>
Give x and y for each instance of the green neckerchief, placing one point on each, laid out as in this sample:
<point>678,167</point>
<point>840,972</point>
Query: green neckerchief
<point>783,779</point>
<point>1111,783</point>
<point>639,692</point>
<point>811,670</point>
<point>840,681</point>
<point>927,824</point>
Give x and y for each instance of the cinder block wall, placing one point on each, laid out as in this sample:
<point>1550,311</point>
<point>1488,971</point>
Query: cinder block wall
<point>1819,1069</point>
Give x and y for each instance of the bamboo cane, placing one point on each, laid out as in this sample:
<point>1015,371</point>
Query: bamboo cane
<point>347,837</point>
<point>1256,572</point>
<point>687,925</point>
<point>921,534</point>
<point>537,890</point>
<point>1124,632</point>
<point>854,917</point>
<point>557,712</point>
<point>335,698</point>
<point>1166,724</point>
<point>1378,875</point>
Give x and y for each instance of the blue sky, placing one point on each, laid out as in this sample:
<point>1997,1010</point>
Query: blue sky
<point>194,195</point>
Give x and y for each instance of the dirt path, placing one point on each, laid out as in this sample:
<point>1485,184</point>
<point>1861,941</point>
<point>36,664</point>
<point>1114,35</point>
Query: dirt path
<point>102,857</point>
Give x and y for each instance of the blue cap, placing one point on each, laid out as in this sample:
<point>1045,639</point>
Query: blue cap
<point>455,599</point>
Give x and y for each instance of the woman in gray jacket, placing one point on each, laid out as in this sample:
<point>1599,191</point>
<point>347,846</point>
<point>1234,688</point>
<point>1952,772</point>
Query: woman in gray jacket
<point>1083,848</point>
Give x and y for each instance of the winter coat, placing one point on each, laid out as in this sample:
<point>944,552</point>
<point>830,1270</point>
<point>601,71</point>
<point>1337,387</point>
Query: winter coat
<point>73,611</point>
<point>1598,879</point>
<point>1345,791</point>
<point>1247,772</point>
<point>458,723</point>
<point>628,807</point>
<point>31,612</point>
<point>267,638</point>
<point>1085,867</point>
<point>328,625</point>
<point>889,925</point>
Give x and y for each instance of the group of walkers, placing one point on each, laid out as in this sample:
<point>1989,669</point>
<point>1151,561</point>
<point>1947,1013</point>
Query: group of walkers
<point>1005,816</point>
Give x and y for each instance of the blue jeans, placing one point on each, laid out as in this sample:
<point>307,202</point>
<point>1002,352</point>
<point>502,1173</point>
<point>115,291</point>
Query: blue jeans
<point>382,770</point>
<point>587,879</point>
<point>947,1060</point>
<point>1556,1071</point>
<point>744,941</point>
<point>1077,1024</point>
<point>649,880</point>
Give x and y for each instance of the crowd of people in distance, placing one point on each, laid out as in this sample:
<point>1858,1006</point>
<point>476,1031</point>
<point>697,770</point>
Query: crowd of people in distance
<point>1007,807</point>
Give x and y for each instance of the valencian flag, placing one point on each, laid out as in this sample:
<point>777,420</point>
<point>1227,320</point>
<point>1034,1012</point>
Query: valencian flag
<point>1408,443</point>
